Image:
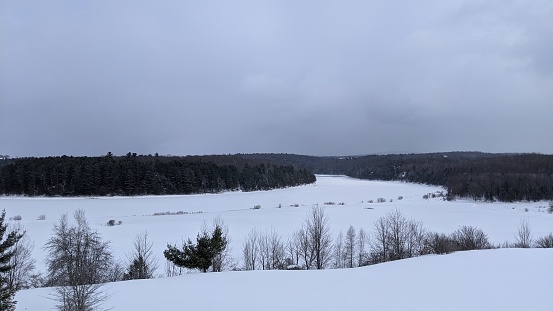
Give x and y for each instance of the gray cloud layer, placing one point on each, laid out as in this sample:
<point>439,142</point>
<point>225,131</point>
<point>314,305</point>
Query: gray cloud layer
<point>309,77</point>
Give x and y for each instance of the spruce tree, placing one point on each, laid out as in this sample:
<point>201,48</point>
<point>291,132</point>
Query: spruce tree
<point>7,241</point>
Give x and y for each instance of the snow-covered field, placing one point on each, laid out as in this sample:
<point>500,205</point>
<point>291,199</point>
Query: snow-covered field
<point>502,279</point>
<point>487,280</point>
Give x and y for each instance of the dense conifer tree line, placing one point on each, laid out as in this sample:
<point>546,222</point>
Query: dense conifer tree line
<point>140,175</point>
<point>507,178</point>
<point>481,176</point>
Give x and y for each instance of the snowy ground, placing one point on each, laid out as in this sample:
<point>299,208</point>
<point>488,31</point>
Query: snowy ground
<point>499,220</point>
<point>501,279</point>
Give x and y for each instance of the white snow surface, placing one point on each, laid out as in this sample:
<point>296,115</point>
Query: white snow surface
<point>504,279</point>
<point>500,279</point>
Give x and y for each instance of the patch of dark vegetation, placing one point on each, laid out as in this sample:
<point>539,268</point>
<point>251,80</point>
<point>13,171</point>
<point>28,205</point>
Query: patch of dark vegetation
<point>475,175</point>
<point>142,175</point>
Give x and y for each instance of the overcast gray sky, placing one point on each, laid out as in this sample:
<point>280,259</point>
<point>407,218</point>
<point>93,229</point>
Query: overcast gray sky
<point>308,77</point>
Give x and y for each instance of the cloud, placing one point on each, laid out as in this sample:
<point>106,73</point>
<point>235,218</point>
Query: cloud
<point>313,77</point>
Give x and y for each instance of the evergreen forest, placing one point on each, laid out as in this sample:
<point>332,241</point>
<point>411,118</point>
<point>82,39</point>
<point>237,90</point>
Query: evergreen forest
<point>141,175</point>
<point>475,175</point>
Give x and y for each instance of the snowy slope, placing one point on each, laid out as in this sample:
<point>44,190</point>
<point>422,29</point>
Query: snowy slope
<point>502,279</point>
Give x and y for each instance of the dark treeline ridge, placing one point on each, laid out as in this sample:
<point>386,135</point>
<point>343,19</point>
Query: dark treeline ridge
<point>476,175</point>
<point>143,175</point>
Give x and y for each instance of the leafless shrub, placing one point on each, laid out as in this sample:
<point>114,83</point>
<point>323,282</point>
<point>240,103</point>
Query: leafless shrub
<point>173,270</point>
<point>16,217</point>
<point>175,213</point>
<point>438,243</point>
<point>380,200</point>
<point>41,217</point>
<point>470,238</point>
<point>545,242</point>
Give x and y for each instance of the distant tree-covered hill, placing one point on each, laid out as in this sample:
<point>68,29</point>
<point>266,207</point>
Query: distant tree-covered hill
<point>142,175</point>
<point>481,176</point>
<point>476,175</point>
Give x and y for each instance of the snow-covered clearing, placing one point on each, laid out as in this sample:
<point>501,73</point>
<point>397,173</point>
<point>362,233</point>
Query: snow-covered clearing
<point>487,280</point>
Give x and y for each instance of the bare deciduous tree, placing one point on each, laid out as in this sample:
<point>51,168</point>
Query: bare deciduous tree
<point>271,250</point>
<point>317,230</point>
<point>250,250</point>
<point>415,239</point>
<point>398,231</point>
<point>22,275</point>
<point>305,250</point>
<point>293,251</point>
<point>276,250</point>
<point>349,247</point>
<point>396,238</point>
<point>379,242</point>
<point>78,262</point>
<point>264,251</point>
<point>362,255</point>
<point>524,236</point>
<point>339,252</point>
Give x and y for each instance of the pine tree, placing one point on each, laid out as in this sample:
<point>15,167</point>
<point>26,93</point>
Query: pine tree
<point>199,255</point>
<point>6,252</point>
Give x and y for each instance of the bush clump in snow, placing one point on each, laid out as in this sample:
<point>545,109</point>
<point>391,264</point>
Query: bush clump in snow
<point>112,222</point>
<point>545,242</point>
<point>470,238</point>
